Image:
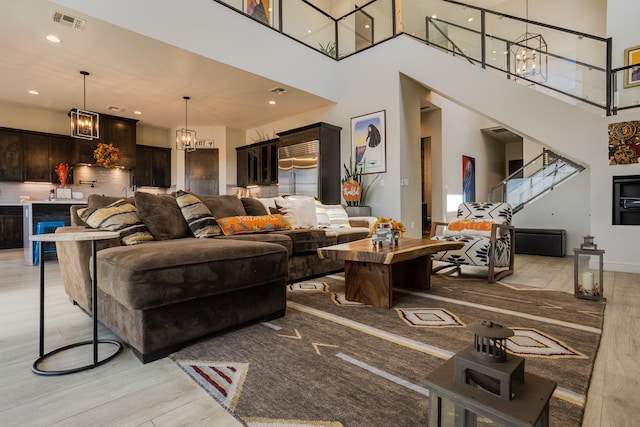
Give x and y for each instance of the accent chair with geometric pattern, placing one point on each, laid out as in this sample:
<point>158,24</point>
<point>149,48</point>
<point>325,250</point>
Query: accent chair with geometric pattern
<point>488,237</point>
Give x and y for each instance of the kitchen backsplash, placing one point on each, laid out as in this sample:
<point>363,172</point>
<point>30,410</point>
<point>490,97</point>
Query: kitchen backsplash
<point>86,180</point>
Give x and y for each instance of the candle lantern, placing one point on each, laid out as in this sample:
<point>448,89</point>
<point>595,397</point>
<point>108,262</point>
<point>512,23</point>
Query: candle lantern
<point>588,271</point>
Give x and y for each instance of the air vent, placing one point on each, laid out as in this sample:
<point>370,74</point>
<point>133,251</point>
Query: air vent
<point>278,90</point>
<point>115,108</point>
<point>68,20</point>
<point>499,130</point>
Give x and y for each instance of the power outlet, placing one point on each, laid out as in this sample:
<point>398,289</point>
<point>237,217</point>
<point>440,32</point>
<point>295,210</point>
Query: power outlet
<point>382,183</point>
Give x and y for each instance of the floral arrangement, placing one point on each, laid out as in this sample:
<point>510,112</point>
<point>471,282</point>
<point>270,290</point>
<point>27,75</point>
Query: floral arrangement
<point>395,225</point>
<point>63,173</point>
<point>106,155</point>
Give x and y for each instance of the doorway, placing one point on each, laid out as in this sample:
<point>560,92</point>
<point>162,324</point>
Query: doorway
<point>425,157</point>
<point>202,171</point>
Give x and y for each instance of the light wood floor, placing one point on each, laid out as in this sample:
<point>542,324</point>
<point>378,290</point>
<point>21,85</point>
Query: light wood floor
<point>124,392</point>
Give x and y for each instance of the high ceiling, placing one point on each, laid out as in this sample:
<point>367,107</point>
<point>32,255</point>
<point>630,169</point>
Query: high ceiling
<point>131,72</point>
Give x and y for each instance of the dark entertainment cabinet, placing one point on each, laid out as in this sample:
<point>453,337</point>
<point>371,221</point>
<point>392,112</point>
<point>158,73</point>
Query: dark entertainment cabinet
<point>626,200</point>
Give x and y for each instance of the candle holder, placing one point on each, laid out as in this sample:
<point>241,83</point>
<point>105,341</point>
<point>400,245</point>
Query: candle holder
<point>587,280</point>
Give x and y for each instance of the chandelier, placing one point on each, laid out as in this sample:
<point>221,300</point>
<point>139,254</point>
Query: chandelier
<point>530,53</point>
<point>85,124</point>
<point>185,138</point>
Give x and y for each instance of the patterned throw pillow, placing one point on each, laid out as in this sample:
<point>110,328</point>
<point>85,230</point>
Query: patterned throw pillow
<point>201,222</point>
<point>119,216</point>
<point>322,215</point>
<point>253,224</point>
<point>338,217</point>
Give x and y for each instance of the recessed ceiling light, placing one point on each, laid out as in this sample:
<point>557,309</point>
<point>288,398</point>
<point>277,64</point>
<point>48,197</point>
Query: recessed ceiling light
<point>272,102</point>
<point>470,20</point>
<point>53,39</point>
<point>137,112</point>
<point>34,92</point>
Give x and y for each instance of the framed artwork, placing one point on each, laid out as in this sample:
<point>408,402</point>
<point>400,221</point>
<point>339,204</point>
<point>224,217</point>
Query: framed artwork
<point>259,9</point>
<point>632,75</point>
<point>369,142</point>
<point>468,179</point>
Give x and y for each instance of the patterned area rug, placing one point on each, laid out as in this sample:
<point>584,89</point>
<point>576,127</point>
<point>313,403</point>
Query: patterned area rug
<point>332,362</point>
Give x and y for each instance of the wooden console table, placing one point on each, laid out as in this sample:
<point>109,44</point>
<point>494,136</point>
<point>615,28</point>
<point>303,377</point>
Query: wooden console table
<point>371,272</point>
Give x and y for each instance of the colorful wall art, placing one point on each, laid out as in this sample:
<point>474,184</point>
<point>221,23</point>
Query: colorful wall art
<point>468,179</point>
<point>624,142</point>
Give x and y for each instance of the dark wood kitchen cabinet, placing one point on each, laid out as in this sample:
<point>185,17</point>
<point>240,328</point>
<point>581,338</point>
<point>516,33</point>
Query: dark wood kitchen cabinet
<point>10,227</point>
<point>153,166</point>
<point>32,156</point>
<point>119,131</point>
<point>257,164</point>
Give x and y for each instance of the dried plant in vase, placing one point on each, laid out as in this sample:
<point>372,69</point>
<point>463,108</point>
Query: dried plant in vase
<point>62,170</point>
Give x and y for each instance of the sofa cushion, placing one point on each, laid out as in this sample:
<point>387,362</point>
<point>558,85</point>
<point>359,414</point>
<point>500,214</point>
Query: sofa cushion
<point>171,271</point>
<point>345,235</point>
<point>301,213</point>
<point>306,241</point>
<point>253,207</point>
<point>280,239</point>
<point>253,224</point>
<point>223,206</point>
<point>199,218</point>
<point>119,216</point>
<point>162,215</point>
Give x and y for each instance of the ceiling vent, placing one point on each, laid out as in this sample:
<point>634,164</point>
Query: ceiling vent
<point>68,20</point>
<point>115,108</point>
<point>499,130</point>
<point>278,90</point>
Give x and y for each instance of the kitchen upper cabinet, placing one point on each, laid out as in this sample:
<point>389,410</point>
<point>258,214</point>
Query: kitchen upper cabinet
<point>32,156</point>
<point>12,155</point>
<point>257,164</point>
<point>119,131</point>
<point>153,166</point>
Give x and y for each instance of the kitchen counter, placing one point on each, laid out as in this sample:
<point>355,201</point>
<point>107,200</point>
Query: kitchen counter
<point>44,210</point>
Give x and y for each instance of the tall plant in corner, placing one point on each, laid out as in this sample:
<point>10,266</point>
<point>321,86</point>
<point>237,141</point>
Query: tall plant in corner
<point>355,185</point>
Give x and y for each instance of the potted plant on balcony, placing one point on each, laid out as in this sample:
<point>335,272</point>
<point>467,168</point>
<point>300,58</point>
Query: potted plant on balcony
<point>355,188</point>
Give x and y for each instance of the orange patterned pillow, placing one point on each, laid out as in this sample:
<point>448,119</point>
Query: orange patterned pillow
<point>470,227</point>
<point>253,224</point>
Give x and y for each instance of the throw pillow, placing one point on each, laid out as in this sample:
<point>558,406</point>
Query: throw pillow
<point>253,224</point>
<point>253,207</point>
<point>201,222</point>
<point>162,216</point>
<point>338,217</point>
<point>322,216</point>
<point>119,216</point>
<point>469,227</point>
<point>269,203</point>
<point>301,214</point>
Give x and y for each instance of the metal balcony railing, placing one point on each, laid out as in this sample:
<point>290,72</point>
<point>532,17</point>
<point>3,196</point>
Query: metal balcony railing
<point>570,65</point>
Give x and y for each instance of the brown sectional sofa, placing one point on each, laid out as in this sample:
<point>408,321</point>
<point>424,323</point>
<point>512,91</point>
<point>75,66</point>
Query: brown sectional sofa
<point>159,295</point>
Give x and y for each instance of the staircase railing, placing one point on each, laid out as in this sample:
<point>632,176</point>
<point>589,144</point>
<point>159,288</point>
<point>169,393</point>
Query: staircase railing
<point>537,177</point>
<point>573,66</point>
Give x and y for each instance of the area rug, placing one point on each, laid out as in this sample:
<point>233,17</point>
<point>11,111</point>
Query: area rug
<point>331,362</point>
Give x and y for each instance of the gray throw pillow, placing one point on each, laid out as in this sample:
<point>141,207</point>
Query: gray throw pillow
<point>162,215</point>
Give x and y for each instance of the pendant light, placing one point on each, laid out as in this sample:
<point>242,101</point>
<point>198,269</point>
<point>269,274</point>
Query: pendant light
<point>186,138</point>
<point>530,53</point>
<point>85,124</point>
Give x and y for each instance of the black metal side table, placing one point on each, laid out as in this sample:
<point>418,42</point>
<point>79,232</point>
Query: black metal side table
<point>92,236</point>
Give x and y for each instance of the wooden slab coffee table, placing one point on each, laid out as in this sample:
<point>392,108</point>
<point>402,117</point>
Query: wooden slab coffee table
<point>372,272</point>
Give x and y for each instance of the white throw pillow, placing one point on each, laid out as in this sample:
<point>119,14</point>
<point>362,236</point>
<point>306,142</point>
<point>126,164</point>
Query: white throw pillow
<point>301,214</point>
<point>322,216</point>
<point>338,217</point>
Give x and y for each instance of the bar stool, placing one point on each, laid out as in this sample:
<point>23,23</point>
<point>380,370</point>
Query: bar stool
<point>44,227</point>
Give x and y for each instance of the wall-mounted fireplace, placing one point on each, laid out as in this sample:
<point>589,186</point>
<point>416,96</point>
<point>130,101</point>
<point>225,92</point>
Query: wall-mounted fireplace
<point>626,200</point>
